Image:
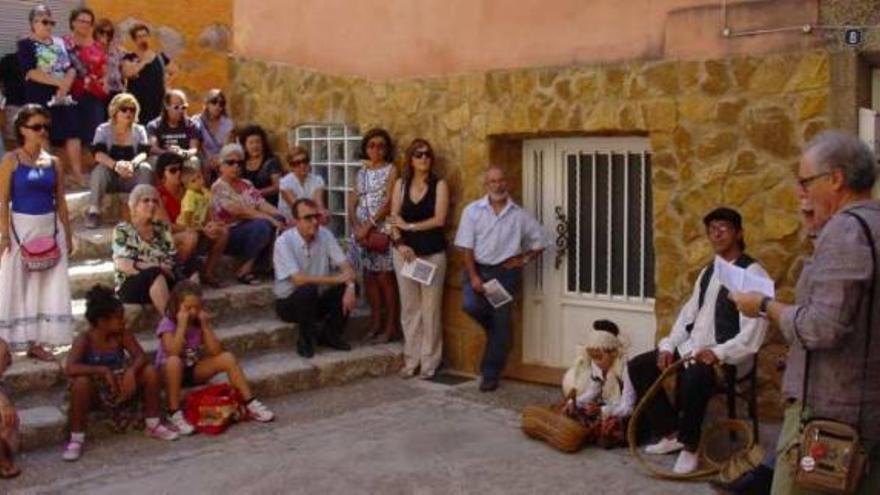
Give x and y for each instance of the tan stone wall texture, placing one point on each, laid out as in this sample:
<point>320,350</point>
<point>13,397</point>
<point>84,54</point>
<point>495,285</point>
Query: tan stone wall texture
<point>196,34</point>
<point>853,13</point>
<point>723,132</point>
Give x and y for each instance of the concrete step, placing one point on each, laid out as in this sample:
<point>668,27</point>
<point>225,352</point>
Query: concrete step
<point>78,205</point>
<point>91,244</point>
<point>269,374</point>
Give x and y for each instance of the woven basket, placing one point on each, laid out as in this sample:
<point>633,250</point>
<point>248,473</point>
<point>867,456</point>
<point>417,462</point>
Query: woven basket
<point>547,424</point>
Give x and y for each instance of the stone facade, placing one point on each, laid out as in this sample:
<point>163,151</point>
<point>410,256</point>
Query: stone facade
<point>196,34</point>
<point>723,132</point>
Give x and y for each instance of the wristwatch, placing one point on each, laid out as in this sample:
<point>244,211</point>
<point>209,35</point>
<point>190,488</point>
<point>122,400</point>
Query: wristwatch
<point>765,303</point>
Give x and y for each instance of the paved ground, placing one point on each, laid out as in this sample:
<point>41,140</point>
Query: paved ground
<point>384,436</point>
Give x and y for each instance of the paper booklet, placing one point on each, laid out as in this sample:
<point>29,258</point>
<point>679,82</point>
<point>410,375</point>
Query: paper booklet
<point>738,279</point>
<point>419,270</point>
<point>496,294</point>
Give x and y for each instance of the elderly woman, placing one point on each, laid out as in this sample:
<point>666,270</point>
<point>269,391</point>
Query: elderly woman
<point>88,88</point>
<point>215,129</point>
<point>418,214</point>
<point>369,204</point>
<point>116,145</point>
<point>144,254</point>
<point>172,130</point>
<point>49,75</point>
<point>261,165</point>
<point>300,183</point>
<point>35,307</point>
<point>171,187</point>
<point>251,219</point>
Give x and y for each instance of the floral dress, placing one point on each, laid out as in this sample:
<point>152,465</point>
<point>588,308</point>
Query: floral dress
<point>372,191</point>
<point>128,244</point>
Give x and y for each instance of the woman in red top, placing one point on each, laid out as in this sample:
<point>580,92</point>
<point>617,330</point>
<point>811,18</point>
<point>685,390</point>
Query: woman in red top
<point>90,61</point>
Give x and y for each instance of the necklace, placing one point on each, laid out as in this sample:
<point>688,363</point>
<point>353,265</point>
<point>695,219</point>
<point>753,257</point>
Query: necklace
<point>32,157</point>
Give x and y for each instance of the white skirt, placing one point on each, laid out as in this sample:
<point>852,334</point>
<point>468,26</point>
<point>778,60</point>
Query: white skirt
<point>34,306</point>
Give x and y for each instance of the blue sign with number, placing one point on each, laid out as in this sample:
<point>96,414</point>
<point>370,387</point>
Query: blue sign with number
<point>852,37</point>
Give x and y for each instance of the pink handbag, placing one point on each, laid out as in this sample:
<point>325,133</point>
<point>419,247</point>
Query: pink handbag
<point>41,253</point>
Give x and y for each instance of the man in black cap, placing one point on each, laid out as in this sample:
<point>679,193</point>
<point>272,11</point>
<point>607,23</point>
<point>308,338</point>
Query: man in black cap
<point>711,330</point>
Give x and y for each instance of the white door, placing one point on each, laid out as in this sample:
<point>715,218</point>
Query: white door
<point>594,196</point>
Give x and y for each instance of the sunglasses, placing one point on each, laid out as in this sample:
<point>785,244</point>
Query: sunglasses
<point>294,163</point>
<point>47,22</point>
<point>38,127</point>
<point>423,154</point>
<point>312,217</point>
<point>127,109</point>
<point>173,170</point>
<point>218,102</point>
<point>178,107</point>
<point>237,163</point>
<point>104,32</point>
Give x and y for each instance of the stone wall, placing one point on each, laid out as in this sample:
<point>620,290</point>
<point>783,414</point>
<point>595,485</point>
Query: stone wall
<point>723,132</point>
<point>196,34</point>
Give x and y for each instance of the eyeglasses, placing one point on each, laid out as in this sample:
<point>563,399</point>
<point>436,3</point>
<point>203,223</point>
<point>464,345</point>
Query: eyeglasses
<point>47,22</point>
<point>155,201</point>
<point>173,170</point>
<point>178,107</point>
<point>312,217</point>
<point>377,144</point>
<point>237,163</point>
<point>127,109</point>
<point>38,127</point>
<point>806,181</point>
<point>423,154</point>
<point>721,228</point>
<point>84,21</point>
<point>218,101</point>
<point>301,161</point>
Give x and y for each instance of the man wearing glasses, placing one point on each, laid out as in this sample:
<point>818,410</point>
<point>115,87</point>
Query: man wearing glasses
<point>709,329</point>
<point>306,292</point>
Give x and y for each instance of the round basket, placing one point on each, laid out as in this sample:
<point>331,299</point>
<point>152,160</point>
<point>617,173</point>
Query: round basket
<point>560,431</point>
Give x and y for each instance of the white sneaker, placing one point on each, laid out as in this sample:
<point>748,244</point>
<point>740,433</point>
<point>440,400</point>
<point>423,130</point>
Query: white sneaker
<point>161,432</point>
<point>179,423</point>
<point>72,451</point>
<point>664,446</point>
<point>257,411</point>
<point>687,462</point>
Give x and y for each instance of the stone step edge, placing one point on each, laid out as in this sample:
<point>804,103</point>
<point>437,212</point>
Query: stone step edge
<point>270,375</point>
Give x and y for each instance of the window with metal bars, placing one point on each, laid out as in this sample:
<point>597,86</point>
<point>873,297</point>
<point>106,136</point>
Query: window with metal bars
<point>610,216</point>
<point>334,150</point>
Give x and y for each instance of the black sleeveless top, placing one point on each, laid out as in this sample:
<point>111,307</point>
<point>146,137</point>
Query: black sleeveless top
<point>424,242</point>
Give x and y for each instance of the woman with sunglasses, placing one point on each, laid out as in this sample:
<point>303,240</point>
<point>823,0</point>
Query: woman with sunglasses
<point>369,203</point>
<point>215,128</point>
<point>251,219</point>
<point>105,35</point>
<point>49,75</point>
<point>90,61</point>
<point>301,183</point>
<point>261,165</point>
<point>116,145</point>
<point>35,307</point>
<point>419,205</point>
<point>172,130</point>
<point>144,255</point>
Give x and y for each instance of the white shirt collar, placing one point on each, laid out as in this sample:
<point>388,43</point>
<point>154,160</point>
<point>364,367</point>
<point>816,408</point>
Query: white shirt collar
<point>484,203</point>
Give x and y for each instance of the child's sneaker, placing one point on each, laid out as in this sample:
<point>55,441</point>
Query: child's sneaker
<point>72,451</point>
<point>257,411</point>
<point>161,432</point>
<point>179,423</point>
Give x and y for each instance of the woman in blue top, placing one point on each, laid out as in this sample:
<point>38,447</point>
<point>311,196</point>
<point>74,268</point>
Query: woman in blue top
<point>35,305</point>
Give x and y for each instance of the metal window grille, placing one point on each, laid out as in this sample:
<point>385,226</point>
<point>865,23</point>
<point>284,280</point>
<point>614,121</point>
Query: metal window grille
<point>610,225</point>
<point>334,156</point>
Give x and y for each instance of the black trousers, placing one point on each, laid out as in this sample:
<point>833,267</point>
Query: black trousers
<point>695,385</point>
<point>307,306</point>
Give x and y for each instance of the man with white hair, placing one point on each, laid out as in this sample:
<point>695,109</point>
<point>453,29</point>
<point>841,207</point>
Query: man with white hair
<point>833,366</point>
<point>498,238</point>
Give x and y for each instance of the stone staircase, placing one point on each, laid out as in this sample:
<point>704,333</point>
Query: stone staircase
<point>245,322</point>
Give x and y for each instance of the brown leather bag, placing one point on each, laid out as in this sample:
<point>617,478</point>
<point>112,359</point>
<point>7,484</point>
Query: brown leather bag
<point>376,241</point>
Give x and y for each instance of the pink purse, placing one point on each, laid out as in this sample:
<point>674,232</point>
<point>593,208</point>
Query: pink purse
<point>41,253</point>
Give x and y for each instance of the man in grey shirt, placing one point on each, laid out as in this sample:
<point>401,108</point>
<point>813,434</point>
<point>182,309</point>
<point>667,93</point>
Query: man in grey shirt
<point>834,352</point>
<point>305,290</point>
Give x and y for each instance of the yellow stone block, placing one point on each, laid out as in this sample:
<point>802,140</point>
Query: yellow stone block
<point>812,72</point>
<point>779,224</point>
<point>772,74</point>
<point>715,78</point>
<point>660,114</point>
<point>662,77</point>
<point>603,116</point>
<point>697,108</point>
<point>812,105</point>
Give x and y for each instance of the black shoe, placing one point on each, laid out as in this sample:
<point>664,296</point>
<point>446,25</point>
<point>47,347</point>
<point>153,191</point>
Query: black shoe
<point>755,482</point>
<point>336,343</point>
<point>488,385</point>
<point>305,348</point>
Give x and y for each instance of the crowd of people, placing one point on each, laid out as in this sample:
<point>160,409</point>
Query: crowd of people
<point>200,187</point>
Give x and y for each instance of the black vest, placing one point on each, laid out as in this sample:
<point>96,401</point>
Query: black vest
<point>726,315</point>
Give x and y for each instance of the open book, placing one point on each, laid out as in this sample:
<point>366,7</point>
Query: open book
<point>737,279</point>
<point>419,270</point>
<point>496,294</point>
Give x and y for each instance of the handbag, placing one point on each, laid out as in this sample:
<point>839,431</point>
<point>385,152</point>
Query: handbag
<point>375,241</point>
<point>212,409</point>
<point>40,253</point>
<point>831,457</point>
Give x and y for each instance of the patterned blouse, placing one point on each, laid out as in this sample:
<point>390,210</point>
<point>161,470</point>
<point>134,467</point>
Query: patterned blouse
<point>226,196</point>
<point>128,244</point>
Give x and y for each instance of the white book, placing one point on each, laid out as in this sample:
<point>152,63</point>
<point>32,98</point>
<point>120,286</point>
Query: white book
<point>419,270</point>
<point>738,279</point>
<point>496,294</point>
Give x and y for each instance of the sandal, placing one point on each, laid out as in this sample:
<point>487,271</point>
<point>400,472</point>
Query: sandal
<point>248,279</point>
<point>40,354</point>
<point>7,468</point>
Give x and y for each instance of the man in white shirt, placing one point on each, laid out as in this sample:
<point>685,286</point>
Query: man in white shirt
<point>709,329</point>
<point>498,238</point>
<point>305,290</point>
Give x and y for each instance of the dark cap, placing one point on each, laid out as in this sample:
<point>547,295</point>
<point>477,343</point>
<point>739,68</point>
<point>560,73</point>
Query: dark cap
<point>724,214</point>
<point>606,326</point>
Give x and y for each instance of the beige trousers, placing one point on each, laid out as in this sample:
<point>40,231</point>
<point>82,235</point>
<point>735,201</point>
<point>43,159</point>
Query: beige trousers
<point>420,316</point>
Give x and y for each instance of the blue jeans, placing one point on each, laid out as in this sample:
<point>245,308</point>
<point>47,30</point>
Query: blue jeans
<point>495,322</point>
<point>251,239</point>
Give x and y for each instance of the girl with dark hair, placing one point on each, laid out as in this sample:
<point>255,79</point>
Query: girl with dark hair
<point>261,166</point>
<point>369,203</point>
<point>215,128</point>
<point>33,210</point>
<point>107,362</point>
<point>419,205</point>
<point>190,354</point>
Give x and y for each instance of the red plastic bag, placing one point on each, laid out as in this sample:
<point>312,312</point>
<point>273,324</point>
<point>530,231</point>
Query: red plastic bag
<point>212,409</point>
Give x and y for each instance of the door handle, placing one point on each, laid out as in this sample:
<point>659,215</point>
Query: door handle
<point>561,237</point>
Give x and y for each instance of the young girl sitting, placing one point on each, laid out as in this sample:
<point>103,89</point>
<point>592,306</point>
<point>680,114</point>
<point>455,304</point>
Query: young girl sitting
<point>196,202</point>
<point>108,364</point>
<point>606,396</point>
<point>184,333</point>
